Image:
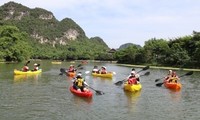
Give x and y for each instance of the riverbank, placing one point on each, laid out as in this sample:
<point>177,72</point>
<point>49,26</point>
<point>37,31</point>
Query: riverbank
<point>159,67</point>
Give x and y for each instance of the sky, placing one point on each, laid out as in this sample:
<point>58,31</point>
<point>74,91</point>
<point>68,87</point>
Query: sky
<point>126,21</point>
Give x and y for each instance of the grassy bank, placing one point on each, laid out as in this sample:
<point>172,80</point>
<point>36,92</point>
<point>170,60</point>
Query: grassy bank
<point>159,67</point>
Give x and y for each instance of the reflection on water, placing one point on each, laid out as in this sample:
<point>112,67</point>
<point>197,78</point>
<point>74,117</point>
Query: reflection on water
<point>175,95</point>
<point>132,99</point>
<point>21,78</point>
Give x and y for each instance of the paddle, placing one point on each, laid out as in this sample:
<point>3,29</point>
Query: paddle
<point>122,81</point>
<point>187,74</point>
<point>156,80</point>
<point>86,72</point>
<point>63,71</point>
<point>38,65</point>
<point>145,74</point>
<point>97,91</point>
<point>143,69</point>
<point>79,65</point>
<point>114,73</point>
<point>27,63</point>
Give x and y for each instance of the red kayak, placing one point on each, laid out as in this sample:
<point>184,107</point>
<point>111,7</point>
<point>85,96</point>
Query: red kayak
<point>172,85</point>
<point>87,94</point>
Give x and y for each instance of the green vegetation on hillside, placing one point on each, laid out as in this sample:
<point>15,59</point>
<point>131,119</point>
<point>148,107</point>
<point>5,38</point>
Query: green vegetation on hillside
<point>47,37</point>
<point>179,52</point>
<point>13,44</point>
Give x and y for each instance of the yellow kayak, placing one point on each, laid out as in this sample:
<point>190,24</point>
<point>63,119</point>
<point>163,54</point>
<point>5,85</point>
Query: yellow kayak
<point>133,87</point>
<point>108,75</point>
<point>56,62</point>
<point>19,72</point>
<point>20,78</point>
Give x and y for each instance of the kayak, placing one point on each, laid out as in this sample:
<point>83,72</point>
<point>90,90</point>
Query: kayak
<point>19,72</point>
<point>108,75</point>
<point>22,77</point>
<point>172,85</point>
<point>71,74</point>
<point>56,62</point>
<point>132,87</point>
<point>87,94</point>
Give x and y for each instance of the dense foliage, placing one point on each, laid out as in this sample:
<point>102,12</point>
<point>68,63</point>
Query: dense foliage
<point>179,52</point>
<point>13,44</point>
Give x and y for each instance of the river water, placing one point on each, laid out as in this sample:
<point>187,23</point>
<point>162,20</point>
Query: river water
<point>46,96</point>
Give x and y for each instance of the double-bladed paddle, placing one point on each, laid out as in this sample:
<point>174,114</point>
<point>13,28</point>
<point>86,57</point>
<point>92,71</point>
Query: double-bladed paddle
<point>27,63</point>
<point>145,74</point>
<point>156,80</point>
<point>98,92</point>
<point>186,74</point>
<point>122,81</point>
<point>38,65</point>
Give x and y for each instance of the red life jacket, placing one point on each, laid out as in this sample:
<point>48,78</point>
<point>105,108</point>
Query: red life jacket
<point>132,81</point>
<point>25,68</point>
<point>71,69</point>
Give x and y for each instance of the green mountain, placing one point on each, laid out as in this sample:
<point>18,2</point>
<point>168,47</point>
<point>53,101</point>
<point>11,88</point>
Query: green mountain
<point>126,45</point>
<point>51,38</point>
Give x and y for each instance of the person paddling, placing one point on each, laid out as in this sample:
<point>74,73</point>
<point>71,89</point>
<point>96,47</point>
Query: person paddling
<point>95,69</point>
<point>135,75</point>
<point>168,75</point>
<point>173,78</point>
<point>79,83</point>
<point>36,67</point>
<point>25,68</point>
<point>103,70</point>
<point>132,79</point>
<point>71,69</point>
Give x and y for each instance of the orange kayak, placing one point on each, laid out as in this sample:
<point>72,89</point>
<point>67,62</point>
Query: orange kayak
<point>172,85</point>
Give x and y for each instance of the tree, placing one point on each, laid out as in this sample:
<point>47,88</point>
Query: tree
<point>13,44</point>
<point>127,55</point>
<point>177,56</point>
<point>156,50</point>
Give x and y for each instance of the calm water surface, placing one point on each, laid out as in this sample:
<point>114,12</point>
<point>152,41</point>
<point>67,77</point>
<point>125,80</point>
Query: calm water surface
<point>47,97</point>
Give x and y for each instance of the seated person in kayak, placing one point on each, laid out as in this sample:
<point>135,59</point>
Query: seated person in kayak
<point>71,69</point>
<point>95,69</point>
<point>103,70</point>
<point>25,68</point>
<point>173,78</point>
<point>132,78</point>
<point>168,75</point>
<point>133,73</point>
<point>36,67</point>
<point>79,83</point>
